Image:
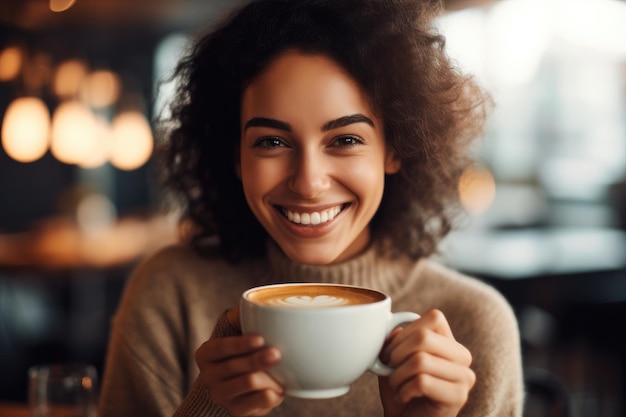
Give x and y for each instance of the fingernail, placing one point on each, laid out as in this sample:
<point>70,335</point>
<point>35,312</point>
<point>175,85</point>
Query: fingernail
<point>271,357</point>
<point>274,354</point>
<point>257,342</point>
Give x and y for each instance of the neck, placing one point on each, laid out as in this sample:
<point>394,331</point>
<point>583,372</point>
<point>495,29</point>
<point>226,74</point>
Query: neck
<point>368,269</point>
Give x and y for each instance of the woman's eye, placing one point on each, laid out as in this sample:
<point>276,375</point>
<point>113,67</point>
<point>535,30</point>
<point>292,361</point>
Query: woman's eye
<point>347,141</point>
<point>269,142</point>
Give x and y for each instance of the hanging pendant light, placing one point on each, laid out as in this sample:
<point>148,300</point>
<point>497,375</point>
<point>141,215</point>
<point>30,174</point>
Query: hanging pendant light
<point>61,5</point>
<point>11,62</point>
<point>100,88</point>
<point>68,77</point>
<point>99,155</point>
<point>74,132</point>
<point>25,129</point>
<point>131,140</point>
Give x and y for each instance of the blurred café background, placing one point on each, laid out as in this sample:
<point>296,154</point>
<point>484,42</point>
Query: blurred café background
<point>83,81</point>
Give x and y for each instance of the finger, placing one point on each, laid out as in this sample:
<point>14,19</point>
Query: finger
<point>259,403</point>
<point>252,390</point>
<point>232,316</point>
<point>392,336</point>
<point>435,389</point>
<point>439,323</point>
<point>260,360</point>
<point>385,351</point>
<point>434,320</point>
<point>432,343</point>
<point>425,363</point>
<point>216,350</point>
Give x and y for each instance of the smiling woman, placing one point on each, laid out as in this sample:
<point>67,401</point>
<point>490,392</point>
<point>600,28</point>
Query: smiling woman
<point>315,141</point>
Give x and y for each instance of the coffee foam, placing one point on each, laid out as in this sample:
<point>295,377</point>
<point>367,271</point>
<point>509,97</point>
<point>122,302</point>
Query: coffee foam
<point>313,296</point>
<point>308,301</point>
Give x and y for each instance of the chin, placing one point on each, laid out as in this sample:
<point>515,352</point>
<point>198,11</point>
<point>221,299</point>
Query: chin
<point>308,256</point>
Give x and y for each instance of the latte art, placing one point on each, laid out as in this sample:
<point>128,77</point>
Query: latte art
<point>308,301</point>
<point>313,296</point>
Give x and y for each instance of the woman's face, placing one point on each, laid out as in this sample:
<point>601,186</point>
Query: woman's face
<point>313,158</point>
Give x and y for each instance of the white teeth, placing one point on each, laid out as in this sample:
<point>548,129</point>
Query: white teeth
<point>315,218</point>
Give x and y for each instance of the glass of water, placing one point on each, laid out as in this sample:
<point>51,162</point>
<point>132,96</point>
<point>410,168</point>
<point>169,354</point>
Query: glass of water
<point>63,390</point>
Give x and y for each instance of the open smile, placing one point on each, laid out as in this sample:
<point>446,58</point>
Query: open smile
<point>312,218</point>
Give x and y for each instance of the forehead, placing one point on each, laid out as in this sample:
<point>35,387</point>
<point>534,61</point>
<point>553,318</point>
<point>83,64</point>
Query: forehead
<point>301,82</point>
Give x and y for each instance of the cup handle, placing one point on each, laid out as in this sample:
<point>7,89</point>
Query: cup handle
<point>397,319</point>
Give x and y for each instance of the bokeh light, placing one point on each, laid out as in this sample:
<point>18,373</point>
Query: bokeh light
<point>477,189</point>
<point>25,129</point>
<point>61,5</point>
<point>68,78</point>
<point>73,132</point>
<point>95,214</point>
<point>99,154</point>
<point>11,61</point>
<point>100,88</point>
<point>131,140</point>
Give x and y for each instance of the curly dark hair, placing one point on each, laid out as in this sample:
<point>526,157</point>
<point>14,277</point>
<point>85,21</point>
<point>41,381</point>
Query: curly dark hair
<point>430,110</point>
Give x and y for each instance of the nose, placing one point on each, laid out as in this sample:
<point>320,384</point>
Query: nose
<point>310,174</point>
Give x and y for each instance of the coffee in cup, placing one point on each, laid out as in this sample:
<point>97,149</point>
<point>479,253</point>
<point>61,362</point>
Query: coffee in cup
<point>328,334</point>
<point>313,296</point>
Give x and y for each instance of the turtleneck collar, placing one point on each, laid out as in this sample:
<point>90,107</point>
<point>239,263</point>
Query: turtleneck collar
<point>369,269</point>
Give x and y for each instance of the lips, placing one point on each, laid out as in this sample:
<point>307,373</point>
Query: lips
<point>312,218</point>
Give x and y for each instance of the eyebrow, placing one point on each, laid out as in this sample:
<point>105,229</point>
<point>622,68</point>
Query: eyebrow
<point>347,120</point>
<point>333,124</point>
<point>267,122</point>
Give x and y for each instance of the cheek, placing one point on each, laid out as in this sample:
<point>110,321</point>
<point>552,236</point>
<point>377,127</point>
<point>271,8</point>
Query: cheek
<point>366,180</point>
<point>259,177</point>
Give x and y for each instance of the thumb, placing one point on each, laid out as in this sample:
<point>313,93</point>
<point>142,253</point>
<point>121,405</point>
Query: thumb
<point>232,316</point>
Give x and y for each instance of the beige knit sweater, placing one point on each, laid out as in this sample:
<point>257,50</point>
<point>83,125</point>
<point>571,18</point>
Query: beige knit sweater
<point>176,300</point>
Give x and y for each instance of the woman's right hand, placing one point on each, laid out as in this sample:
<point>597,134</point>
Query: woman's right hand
<point>234,369</point>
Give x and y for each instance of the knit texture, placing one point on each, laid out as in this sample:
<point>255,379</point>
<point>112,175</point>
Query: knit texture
<point>176,300</point>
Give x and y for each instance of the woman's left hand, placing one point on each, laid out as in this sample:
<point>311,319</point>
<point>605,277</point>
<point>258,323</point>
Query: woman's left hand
<point>432,376</point>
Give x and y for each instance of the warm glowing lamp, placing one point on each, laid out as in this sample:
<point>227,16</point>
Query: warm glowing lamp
<point>68,77</point>
<point>95,214</point>
<point>25,129</point>
<point>99,154</point>
<point>477,189</point>
<point>101,88</point>
<point>61,5</point>
<point>73,132</point>
<point>131,140</point>
<point>10,63</point>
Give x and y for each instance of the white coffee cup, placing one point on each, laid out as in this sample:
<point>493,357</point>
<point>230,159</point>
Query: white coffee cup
<point>328,334</point>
